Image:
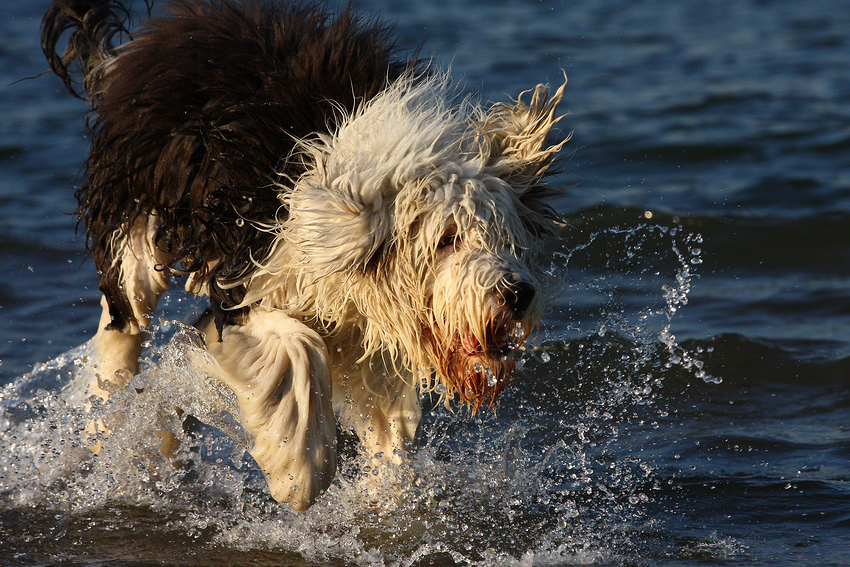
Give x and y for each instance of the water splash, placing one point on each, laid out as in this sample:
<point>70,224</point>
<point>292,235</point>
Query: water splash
<point>554,476</point>
<point>621,269</point>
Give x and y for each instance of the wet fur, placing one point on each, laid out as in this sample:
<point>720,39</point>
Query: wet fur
<point>361,233</point>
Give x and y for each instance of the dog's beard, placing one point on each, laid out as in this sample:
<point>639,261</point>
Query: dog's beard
<point>477,369</point>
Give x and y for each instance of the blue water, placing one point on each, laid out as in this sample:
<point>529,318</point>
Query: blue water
<point>687,402</point>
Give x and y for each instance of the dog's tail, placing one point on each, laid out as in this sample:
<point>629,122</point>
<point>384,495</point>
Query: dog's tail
<point>93,26</point>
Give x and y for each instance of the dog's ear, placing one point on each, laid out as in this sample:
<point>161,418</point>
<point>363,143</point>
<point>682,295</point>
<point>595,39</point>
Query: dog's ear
<point>349,214</point>
<point>515,136</point>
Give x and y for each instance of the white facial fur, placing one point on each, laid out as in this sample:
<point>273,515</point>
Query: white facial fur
<point>364,250</point>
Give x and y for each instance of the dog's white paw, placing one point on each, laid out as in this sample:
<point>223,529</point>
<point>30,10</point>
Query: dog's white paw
<point>277,367</point>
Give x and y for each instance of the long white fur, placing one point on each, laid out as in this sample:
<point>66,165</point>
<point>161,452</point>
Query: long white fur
<point>405,167</point>
<point>278,369</point>
<point>331,332</point>
<point>144,282</point>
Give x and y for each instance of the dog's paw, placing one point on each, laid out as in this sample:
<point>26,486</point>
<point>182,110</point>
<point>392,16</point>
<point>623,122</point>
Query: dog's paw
<point>277,367</point>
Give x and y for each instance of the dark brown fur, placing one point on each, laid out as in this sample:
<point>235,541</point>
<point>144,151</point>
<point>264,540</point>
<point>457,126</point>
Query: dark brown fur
<point>198,116</point>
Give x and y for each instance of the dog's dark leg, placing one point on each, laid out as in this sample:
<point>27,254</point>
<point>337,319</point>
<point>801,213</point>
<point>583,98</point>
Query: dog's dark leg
<point>278,369</point>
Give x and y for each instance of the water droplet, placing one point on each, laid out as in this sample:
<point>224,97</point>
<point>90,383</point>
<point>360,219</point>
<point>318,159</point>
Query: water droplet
<point>544,356</point>
<point>240,222</point>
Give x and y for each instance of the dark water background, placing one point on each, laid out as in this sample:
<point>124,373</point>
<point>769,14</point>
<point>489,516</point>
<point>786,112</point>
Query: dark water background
<point>688,402</point>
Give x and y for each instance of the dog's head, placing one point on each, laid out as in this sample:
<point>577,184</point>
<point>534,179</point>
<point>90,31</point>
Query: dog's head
<point>418,223</point>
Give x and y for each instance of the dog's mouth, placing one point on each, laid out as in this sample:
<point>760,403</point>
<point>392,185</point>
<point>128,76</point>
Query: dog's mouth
<point>496,343</point>
<point>477,367</point>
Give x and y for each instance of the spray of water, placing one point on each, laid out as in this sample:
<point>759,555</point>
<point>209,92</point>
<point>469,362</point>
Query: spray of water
<point>553,476</point>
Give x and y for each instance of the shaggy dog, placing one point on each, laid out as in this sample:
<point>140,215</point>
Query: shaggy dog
<point>362,235</point>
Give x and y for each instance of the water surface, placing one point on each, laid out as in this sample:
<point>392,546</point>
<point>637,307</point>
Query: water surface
<point>686,403</point>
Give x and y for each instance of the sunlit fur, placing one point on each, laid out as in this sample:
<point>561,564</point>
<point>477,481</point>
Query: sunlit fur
<point>389,248</point>
<point>402,173</point>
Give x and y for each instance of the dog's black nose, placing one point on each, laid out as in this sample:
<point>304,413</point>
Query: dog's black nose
<point>518,295</point>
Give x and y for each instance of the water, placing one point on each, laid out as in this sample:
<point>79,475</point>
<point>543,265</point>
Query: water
<point>685,404</point>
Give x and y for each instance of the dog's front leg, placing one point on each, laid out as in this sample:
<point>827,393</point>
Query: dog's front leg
<point>278,369</point>
<point>383,409</point>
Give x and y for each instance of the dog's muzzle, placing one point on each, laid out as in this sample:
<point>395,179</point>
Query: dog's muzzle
<point>477,363</point>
